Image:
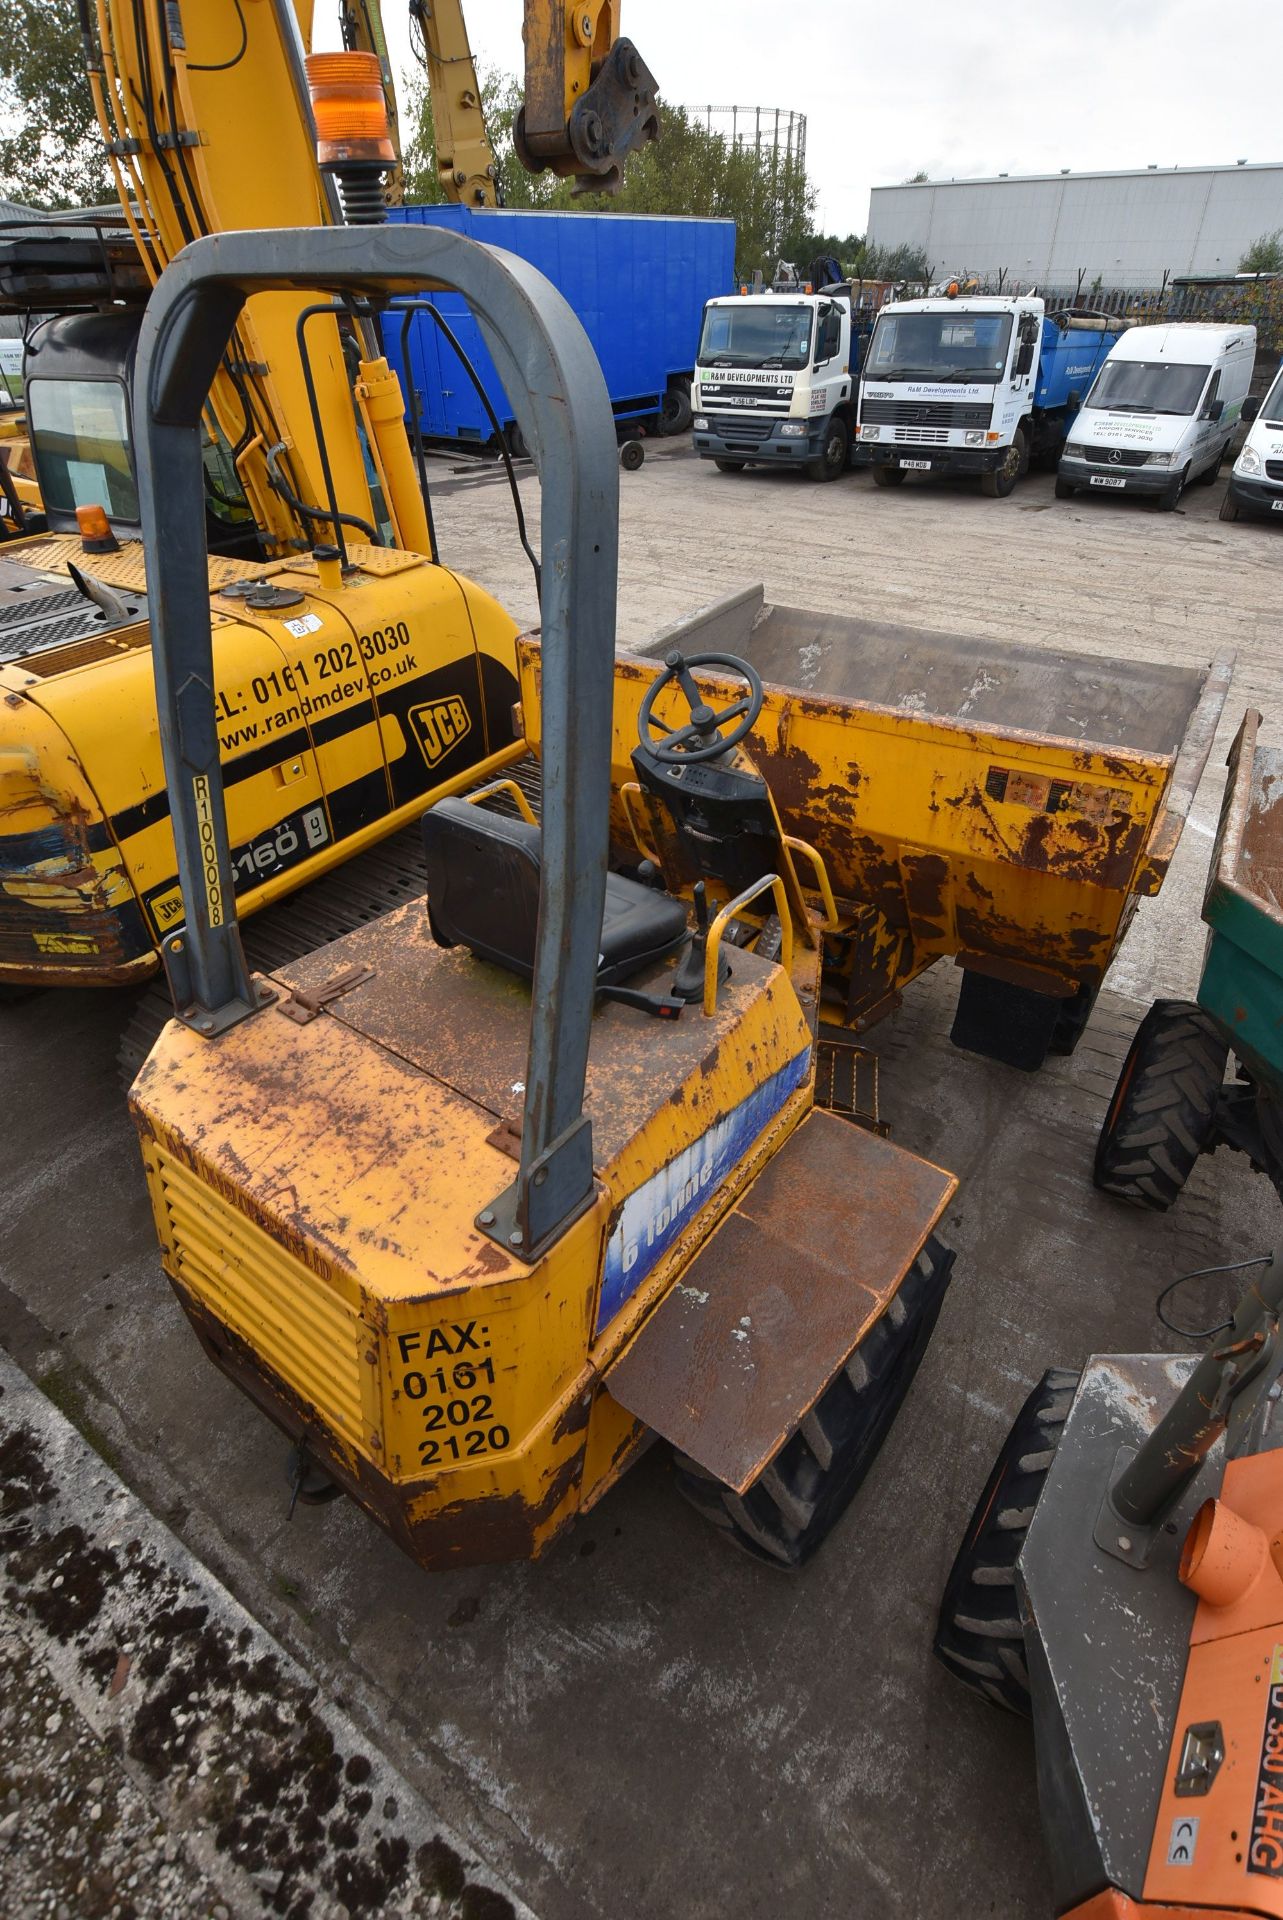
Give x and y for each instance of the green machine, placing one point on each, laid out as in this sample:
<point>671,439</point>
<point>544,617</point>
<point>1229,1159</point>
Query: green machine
<point>1173,1100</point>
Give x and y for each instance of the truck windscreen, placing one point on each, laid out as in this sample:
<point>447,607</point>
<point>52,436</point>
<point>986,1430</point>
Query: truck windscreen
<point>759,333</point>
<point>939,346</point>
<point>1148,386</point>
<point>80,435</point>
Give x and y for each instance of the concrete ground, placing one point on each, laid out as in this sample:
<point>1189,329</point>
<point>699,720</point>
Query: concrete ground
<point>647,1725</point>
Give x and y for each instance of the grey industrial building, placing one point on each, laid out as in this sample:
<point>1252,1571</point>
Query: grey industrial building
<point>1127,228</point>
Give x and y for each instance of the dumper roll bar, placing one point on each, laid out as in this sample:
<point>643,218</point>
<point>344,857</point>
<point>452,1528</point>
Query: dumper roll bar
<point>559,396</point>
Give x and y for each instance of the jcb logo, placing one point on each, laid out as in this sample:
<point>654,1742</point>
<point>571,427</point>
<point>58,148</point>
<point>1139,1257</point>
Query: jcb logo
<point>440,725</point>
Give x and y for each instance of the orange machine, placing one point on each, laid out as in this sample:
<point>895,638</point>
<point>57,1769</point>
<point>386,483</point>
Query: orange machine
<point>1122,1581</point>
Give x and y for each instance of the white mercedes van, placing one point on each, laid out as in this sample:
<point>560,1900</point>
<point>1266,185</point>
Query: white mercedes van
<point>1160,412</point>
<point>1256,479</point>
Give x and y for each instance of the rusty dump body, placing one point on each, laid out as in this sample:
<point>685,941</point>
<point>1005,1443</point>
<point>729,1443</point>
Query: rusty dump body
<point>1001,803</point>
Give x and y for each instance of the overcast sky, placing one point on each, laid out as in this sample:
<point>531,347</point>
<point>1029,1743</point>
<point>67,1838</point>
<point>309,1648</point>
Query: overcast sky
<point>992,86</point>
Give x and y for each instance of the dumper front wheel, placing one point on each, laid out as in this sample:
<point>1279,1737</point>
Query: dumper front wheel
<point>797,1500</point>
<point>978,1635</point>
<point>1163,1113</point>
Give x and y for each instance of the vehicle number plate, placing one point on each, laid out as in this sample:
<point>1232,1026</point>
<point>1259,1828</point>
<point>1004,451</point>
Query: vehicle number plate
<point>1107,480</point>
<point>1276,506</point>
<point>917,466</point>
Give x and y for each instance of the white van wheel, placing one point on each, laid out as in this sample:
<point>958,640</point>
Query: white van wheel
<point>1229,507</point>
<point>1209,474</point>
<point>1169,501</point>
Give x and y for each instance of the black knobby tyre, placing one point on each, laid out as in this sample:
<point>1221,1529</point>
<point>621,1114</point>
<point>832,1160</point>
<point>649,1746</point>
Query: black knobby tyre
<point>978,1635</point>
<point>797,1500</point>
<point>1163,1111</point>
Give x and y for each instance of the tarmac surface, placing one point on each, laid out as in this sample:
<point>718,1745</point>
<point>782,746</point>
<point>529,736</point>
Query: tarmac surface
<point>646,1724</point>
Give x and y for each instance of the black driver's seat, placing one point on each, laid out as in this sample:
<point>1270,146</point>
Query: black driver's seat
<point>483,894</point>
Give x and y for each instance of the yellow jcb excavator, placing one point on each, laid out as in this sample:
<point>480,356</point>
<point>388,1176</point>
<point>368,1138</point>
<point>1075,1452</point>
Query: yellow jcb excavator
<point>336,725</point>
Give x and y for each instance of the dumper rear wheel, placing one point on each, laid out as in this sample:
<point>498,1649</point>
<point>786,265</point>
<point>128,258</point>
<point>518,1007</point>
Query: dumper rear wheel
<point>1163,1113</point>
<point>978,1635</point>
<point>796,1501</point>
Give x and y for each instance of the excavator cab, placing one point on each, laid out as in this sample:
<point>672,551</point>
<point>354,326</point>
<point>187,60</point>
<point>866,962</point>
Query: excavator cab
<point>481,1199</point>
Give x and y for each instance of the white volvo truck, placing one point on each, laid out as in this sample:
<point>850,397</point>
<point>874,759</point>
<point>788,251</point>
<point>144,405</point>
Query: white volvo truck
<point>774,381</point>
<point>974,384</point>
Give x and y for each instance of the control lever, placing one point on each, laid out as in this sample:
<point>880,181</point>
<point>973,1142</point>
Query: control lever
<point>688,981</point>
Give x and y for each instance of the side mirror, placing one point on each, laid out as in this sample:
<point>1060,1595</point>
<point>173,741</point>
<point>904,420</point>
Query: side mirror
<point>1073,399</point>
<point>1024,359</point>
<point>1251,408</point>
<point>1214,410</point>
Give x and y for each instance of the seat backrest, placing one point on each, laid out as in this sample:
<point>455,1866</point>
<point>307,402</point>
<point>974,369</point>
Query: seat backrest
<point>483,883</point>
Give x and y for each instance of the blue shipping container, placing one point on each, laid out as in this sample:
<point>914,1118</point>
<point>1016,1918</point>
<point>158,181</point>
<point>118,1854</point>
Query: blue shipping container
<point>638,283</point>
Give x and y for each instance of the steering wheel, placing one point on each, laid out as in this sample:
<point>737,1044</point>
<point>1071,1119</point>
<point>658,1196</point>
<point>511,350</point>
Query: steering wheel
<point>700,737</point>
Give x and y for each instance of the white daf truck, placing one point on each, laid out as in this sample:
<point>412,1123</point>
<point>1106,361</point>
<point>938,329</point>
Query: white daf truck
<point>973,384</point>
<point>774,382</point>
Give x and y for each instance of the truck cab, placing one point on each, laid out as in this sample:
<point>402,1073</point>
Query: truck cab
<point>973,385</point>
<point>774,382</point>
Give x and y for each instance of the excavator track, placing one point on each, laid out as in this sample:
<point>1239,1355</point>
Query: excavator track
<point>371,884</point>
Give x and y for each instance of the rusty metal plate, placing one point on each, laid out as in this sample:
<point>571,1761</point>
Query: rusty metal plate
<point>741,1348</point>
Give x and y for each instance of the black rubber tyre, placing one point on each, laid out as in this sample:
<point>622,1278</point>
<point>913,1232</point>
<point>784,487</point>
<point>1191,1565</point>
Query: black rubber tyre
<point>1169,501</point>
<point>978,1634</point>
<point>1269,1114</point>
<point>729,466</point>
<point>1163,1112</point>
<point>675,410</point>
<point>996,486</point>
<point>831,463</point>
<point>1071,1022</point>
<point>631,455</point>
<point>517,445</point>
<point>797,1500</point>
<point>888,476</point>
<point>1064,491</point>
<point>1229,507</point>
<point>1213,473</point>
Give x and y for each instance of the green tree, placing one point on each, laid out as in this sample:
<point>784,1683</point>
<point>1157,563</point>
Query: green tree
<point>1264,255</point>
<point>689,170</point>
<point>51,151</point>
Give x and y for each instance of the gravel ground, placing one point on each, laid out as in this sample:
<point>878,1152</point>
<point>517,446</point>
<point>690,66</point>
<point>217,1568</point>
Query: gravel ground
<point>78,1840</point>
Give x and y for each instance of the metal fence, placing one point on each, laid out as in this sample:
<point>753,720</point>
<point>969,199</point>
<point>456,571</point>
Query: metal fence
<point>1252,301</point>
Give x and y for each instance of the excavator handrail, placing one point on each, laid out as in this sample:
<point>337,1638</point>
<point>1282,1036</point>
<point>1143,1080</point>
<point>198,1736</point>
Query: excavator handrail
<point>559,395</point>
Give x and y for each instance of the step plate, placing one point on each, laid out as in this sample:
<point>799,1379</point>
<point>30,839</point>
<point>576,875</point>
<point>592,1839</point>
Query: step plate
<point>777,1300</point>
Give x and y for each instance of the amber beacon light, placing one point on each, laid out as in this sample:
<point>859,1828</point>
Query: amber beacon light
<point>353,135</point>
